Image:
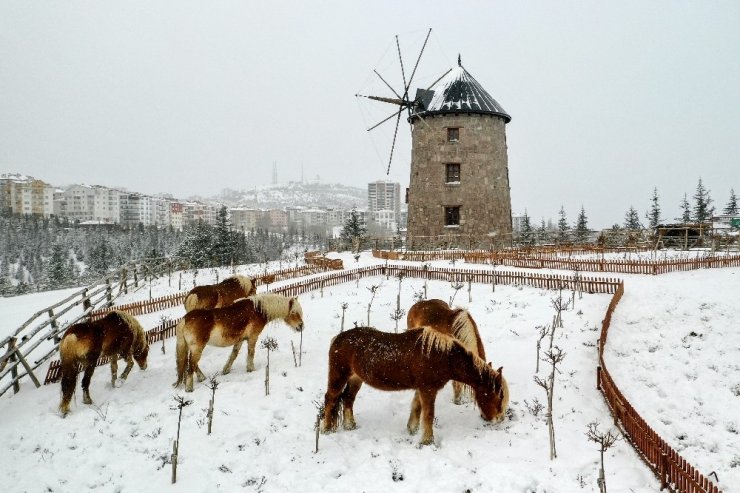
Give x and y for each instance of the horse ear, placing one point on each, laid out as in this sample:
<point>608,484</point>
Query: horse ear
<point>290,302</point>
<point>490,364</point>
<point>500,370</point>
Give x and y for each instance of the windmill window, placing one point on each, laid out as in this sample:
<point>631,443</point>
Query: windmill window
<point>453,173</point>
<point>453,134</point>
<point>452,216</point>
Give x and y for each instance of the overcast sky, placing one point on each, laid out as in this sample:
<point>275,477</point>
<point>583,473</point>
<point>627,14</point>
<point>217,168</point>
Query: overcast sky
<point>608,99</point>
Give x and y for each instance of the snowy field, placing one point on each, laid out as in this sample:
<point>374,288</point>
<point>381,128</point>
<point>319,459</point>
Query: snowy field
<point>266,443</point>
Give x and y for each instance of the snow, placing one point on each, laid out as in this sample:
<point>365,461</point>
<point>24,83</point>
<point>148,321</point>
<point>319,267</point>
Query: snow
<point>17,309</point>
<point>266,443</point>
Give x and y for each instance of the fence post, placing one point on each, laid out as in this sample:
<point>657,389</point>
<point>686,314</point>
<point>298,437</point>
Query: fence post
<point>598,378</point>
<point>85,300</point>
<point>14,370</point>
<point>54,326</point>
<point>108,293</point>
<point>663,470</point>
<point>136,276</point>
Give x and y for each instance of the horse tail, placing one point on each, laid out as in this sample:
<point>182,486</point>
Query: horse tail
<point>181,352</point>
<point>191,302</point>
<point>69,357</point>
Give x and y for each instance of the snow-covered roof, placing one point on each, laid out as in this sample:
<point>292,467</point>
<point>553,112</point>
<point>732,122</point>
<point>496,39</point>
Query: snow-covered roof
<point>458,92</point>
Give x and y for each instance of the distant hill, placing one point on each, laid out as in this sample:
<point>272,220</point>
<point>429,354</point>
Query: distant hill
<point>310,195</point>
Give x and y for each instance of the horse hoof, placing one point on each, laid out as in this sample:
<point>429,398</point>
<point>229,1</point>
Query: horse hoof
<point>412,429</point>
<point>87,400</point>
<point>225,371</point>
<point>426,442</point>
<point>349,426</point>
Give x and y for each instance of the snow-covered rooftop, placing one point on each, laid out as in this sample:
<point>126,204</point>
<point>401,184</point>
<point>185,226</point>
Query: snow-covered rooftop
<point>459,92</point>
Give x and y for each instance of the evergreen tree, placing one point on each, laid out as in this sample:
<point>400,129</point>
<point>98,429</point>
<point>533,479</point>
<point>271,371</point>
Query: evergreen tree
<point>582,227</point>
<point>632,220</point>
<point>57,270</point>
<point>223,238</point>
<point>731,207</point>
<point>525,235</point>
<point>197,245</point>
<point>99,256</point>
<point>685,210</point>
<point>563,234</point>
<point>542,231</point>
<point>702,204</point>
<point>653,215</point>
<point>354,230</point>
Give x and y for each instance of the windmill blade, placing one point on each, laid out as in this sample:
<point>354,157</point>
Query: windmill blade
<point>435,82</point>
<point>417,61</point>
<point>386,119</point>
<point>386,83</point>
<point>403,74</point>
<point>393,146</point>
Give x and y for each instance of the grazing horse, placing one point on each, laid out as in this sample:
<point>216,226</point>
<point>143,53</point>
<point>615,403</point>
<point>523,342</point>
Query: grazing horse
<point>118,334</point>
<point>420,359</point>
<point>219,295</point>
<point>437,315</point>
<point>230,326</point>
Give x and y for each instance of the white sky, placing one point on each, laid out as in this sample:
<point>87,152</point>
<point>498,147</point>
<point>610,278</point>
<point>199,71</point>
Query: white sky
<point>607,100</point>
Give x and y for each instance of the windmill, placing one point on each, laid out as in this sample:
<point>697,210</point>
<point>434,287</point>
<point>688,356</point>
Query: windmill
<point>402,99</point>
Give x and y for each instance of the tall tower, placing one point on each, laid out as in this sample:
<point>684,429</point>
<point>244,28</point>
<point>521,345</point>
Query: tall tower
<point>459,182</point>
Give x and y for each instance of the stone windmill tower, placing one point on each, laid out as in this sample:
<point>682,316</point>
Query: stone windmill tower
<point>459,183</point>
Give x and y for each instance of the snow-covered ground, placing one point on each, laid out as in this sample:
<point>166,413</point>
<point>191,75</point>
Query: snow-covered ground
<point>16,310</point>
<point>266,443</point>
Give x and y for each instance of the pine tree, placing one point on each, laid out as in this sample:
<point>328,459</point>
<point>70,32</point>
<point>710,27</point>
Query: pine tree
<point>653,216</point>
<point>582,227</point>
<point>542,231</point>
<point>223,239</point>
<point>702,204</point>
<point>354,230</point>
<point>525,235</point>
<point>563,234</point>
<point>57,270</point>
<point>685,210</point>
<point>731,207</point>
<point>632,220</point>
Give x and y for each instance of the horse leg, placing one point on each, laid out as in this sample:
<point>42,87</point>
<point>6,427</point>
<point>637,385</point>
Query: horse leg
<point>232,357</point>
<point>427,398</point>
<point>458,389</point>
<point>251,343</point>
<point>195,354</point>
<point>89,369</point>
<point>113,369</point>
<point>201,376</point>
<point>348,399</point>
<point>129,365</point>
<point>413,424</point>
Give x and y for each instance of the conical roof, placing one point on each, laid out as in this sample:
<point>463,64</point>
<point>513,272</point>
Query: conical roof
<point>458,92</point>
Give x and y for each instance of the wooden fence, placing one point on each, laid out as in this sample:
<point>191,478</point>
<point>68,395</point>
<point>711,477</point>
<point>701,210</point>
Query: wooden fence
<point>636,266</point>
<point>672,470</point>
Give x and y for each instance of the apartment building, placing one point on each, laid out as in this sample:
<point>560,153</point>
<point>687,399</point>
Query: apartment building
<point>26,195</point>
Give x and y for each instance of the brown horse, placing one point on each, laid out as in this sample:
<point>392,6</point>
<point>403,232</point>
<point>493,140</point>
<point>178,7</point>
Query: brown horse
<point>118,334</point>
<point>437,315</point>
<point>230,326</point>
<point>222,294</point>
<point>420,359</point>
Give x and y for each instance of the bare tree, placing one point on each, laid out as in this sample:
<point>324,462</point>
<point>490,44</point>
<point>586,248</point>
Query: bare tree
<point>213,385</point>
<point>373,290</point>
<point>181,403</point>
<point>560,306</point>
<point>344,309</point>
<point>270,344</point>
<point>605,441</point>
<point>553,357</point>
<point>544,330</point>
<point>456,286</point>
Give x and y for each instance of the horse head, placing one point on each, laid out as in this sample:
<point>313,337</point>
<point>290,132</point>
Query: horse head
<point>493,396</point>
<point>141,353</point>
<point>295,315</point>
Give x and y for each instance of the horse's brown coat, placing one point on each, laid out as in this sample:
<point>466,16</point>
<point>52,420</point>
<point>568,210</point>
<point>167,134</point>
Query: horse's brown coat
<point>222,294</point>
<point>437,314</point>
<point>230,326</point>
<point>118,334</point>
<point>419,359</point>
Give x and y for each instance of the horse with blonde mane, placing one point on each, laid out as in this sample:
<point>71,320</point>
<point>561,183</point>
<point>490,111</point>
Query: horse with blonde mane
<point>222,294</point>
<point>230,326</point>
<point>118,334</point>
<point>420,359</point>
<point>458,323</point>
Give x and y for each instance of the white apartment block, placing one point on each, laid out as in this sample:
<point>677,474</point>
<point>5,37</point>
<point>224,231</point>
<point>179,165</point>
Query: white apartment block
<point>386,219</point>
<point>384,195</point>
<point>26,195</point>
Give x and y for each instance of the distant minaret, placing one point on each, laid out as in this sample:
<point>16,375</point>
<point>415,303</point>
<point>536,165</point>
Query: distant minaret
<point>274,173</point>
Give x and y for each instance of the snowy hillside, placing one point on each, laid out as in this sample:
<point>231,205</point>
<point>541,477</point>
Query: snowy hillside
<point>309,195</point>
<point>266,443</point>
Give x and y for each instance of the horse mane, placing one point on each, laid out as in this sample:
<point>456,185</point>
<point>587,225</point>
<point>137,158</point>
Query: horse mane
<point>433,340</point>
<point>463,328</point>
<point>275,305</point>
<point>244,281</point>
<point>140,339</point>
